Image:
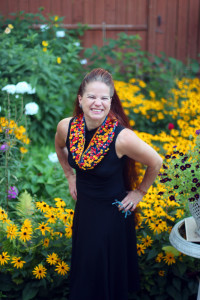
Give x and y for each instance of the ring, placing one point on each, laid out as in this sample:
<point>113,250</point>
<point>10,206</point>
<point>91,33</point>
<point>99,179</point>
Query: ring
<point>131,203</point>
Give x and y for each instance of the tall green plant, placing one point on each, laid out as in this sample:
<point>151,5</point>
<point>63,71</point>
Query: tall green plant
<point>49,62</point>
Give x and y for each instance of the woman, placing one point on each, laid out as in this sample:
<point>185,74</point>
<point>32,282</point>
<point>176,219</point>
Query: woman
<point>98,144</point>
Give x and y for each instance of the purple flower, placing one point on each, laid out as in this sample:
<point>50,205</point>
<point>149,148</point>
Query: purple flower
<point>197,131</point>
<point>12,192</point>
<point>4,147</point>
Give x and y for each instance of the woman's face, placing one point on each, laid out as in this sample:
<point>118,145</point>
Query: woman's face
<point>95,103</point>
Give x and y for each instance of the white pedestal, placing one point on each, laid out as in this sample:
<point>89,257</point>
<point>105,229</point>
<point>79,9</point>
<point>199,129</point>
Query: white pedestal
<point>184,246</point>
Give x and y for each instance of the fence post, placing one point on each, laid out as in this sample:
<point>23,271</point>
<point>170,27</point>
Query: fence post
<point>151,33</point>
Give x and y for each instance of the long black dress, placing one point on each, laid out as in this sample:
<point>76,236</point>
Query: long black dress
<point>104,258</point>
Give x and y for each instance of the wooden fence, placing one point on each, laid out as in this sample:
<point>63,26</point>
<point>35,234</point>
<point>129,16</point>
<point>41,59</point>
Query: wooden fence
<point>171,26</point>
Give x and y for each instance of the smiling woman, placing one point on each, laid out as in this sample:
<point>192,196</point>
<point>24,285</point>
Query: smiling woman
<point>98,143</point>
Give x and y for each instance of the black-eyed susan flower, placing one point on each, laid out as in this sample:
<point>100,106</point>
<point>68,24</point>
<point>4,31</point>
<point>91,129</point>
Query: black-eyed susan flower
<point>17,262</point>
<point>39,271</point>
<point>68,230</point>
<point>52,258</point>
<point>25,235</point>
<point>159,257</point>
<point>12,231</point>
<point>161,273</point>
<point>43,228</point>
<point>169,258</point>
<point>62,268</point>
<point>140,249</point>
<point>51,217</point>
<point>147,241</point>
<point>4,258</point>
<point>46,242</point>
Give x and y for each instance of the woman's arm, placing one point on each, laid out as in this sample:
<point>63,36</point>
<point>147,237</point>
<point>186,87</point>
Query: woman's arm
<point>62,152</point>
<point>128,143</point>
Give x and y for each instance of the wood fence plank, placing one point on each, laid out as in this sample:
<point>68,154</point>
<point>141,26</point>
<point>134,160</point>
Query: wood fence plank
<point>99,18</point>
<point>77,11</point>
<point>4,8</point>
<point>110,9</point>
<point>181,49</point>
<point>46,4</point>
<point>171,27</point>
<point>160,26</point>
<point>56,8</point>
<point>12,6</point>
<point>193,24</point>
<point>23,5</point>
<point>67,10</point>
<point>34,5</point>
<point>142,18</point>
<point>88,18</point>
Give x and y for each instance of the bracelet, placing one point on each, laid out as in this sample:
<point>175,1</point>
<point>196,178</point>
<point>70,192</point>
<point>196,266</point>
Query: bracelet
<point>141,191</point>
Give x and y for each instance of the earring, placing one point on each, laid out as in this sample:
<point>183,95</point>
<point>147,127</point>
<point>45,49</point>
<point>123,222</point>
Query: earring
<point>80,105</point>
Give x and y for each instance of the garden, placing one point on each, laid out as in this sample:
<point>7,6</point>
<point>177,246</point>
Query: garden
<point>41,69</point>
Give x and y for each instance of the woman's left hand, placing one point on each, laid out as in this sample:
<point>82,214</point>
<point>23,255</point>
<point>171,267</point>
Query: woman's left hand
<point>131,200</point>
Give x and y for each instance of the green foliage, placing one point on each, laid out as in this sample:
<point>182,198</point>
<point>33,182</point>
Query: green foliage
<point>124,58</point>
<point>43,178</point>
<point>49,63</point>
<point>25,206</point>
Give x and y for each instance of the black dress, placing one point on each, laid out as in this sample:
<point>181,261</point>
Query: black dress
<point>104,257</point>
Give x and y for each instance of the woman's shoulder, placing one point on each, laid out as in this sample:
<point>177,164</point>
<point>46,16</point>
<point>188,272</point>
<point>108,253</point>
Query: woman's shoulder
<point>125,138</point>
<point>62,128</point>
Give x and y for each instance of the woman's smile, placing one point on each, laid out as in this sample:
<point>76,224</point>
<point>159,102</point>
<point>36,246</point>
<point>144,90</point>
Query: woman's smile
<point>95,103</point>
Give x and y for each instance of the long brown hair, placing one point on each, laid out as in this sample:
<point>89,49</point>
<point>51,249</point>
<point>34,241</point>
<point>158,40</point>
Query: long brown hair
<point>116,111</point>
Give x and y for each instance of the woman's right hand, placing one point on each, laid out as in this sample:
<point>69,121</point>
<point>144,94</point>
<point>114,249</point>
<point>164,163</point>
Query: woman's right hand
<point>72,186</point>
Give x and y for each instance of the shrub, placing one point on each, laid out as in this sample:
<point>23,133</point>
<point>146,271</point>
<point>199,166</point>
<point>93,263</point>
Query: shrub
<point>51,64</point>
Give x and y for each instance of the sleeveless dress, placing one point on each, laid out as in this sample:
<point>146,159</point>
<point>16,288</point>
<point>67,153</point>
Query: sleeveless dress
<point>104,258</point>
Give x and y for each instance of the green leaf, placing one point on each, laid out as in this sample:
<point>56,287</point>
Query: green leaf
<point>29,292</point>
<point>171,250</point>
<point>25,206</point>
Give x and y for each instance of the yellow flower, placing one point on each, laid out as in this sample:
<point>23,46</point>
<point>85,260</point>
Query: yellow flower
<point>161,273</point>
<point>140,249</point>
<point>142,84</point>
<point>26,231</point>
<point>10,26</point>
<point>62,268</point>
<point>147,241</point>
<point>44,49</point>
<point>43,206</point>
<point>46,242</point>
<point>45,44</point>
<point>43,227</point>
<point>3,214</point>
<point>12,231</point>
<point>52,259</point>
<point>4,257</point>
<point>56,18</point>
<point>132,123</point>
<point>68,230</point>
<point>51,217</point>
<point>159,257</point>
<point>154,119</point>
<point>152,94</point>
<point>59,60</point>
<point>23,150</point>
<point>169,258</point>
<point>39,271</point>
<point>18,263</point>
<point>179,213</point>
